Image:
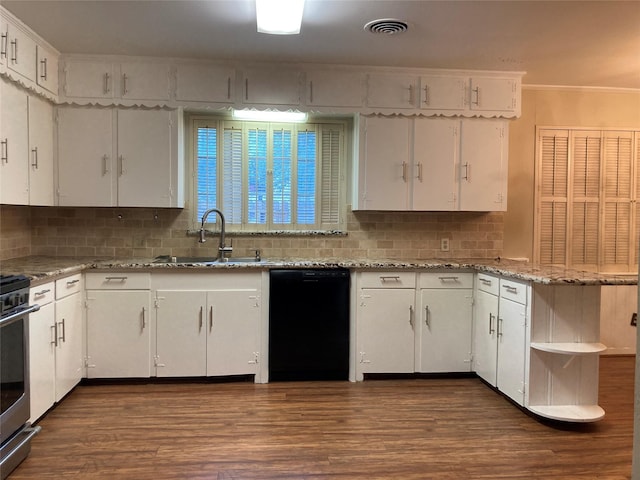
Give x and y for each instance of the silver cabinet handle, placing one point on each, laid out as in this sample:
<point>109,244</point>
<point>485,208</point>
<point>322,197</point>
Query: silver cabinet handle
<point>55,334</point>
<point>107,83</point>
<point>41,293</point>
<point>125,90</point>
<point>477,92</point>
<point>411,315</point>
<point>500,321</point>
<point>419,171</point>
<point>211,318</point>
<point>246,89</point>
<point>484,281</point>
<point>3,45</point>
<point>390,278</point>
<point>200,318</point>
<point>427,316</point>
<point>70,283</point>
<point>119,279</point>
<point>14,50</point>
<point>510,289</point>
<point>43,69</point>
<point>34,163</point>
<point>448,279</point>
<point>5,150</point>
<point>121,162</point>
<point>144,318</point>
<point>426,95</point>
<point>410,88</point>
<point>63,337</point>
<point>467,171</point>
<point>229,88</point>
<point>105,164</point>
<point>491,329</point>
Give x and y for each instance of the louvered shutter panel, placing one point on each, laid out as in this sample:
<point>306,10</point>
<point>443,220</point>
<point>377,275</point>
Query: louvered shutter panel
<point>585,199</point>
<point>282,176</point>
<point>207,168</point>
<point>553,188</point>
<point>257,175</point>
<point>232,174</point>
<point>330,177</point>
<point>617,240</point>
<point>636,245</point>
<point>306,177</point>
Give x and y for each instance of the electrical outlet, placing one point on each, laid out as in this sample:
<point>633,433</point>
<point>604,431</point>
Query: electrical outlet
<point>444,244</point>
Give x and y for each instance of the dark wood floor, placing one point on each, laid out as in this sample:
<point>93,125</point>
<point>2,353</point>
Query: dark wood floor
<point>379,429</point>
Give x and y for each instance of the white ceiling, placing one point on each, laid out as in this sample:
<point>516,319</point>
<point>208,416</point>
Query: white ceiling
<point>576,43</point>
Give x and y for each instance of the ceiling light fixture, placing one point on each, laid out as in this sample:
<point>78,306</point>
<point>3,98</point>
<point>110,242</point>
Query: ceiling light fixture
<point>279,17</point>
<point>269,115</point>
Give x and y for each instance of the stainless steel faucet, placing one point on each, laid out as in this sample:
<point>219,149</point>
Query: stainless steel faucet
<point>222,248</point>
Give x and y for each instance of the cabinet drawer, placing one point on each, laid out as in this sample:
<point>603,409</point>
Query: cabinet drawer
<point>513,290</point>
<point>118,281</point>
<point>446,280</point>
<point>388,280</point>
<point>68,285</point>
<point>488,283</point>
<point>43,294</point>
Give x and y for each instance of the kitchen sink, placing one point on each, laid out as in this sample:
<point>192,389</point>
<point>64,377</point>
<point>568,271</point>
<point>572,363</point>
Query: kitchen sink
<point>205,260</point>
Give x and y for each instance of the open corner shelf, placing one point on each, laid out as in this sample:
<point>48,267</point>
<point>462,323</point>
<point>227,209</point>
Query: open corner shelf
<point>569,348</point>
<point>571,413</point>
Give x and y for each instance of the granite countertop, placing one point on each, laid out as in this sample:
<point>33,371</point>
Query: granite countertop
<point>43,268</point>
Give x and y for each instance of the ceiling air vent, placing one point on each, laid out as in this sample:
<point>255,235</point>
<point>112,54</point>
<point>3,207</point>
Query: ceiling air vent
<point>389,26</point>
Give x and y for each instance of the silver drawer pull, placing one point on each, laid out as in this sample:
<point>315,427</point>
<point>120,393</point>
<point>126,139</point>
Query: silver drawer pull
<point>484,281</point>
<point>119,279</point>
<point>390,278</point>
<point>448,279</point>
<point>510,289</point>
<point>41,292</point>
<point>71,283</point>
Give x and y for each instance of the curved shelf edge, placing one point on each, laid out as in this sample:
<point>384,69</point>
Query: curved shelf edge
<point>569,413</point>
<point>569,348</point>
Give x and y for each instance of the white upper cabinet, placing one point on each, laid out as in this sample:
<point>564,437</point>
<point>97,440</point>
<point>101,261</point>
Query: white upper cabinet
<point>47,74</point>
<point>138,166</point>
<point>105,79</point>
<point>205,83</point>
<point>4,40</point>
<point>21,52</point>
<point>14,145</point>
<point>276,86</point>
<point>40,152</point>
<point>442,92</point>
<point>494,94</point>
<point>386,90</point>
<point>329,88</point>
<point>483,165</point>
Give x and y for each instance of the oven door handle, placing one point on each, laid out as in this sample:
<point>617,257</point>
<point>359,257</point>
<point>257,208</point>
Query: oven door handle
<point>14,317</point>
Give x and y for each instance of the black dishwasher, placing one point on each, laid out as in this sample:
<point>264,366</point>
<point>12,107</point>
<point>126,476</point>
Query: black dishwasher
<point>309,324</point>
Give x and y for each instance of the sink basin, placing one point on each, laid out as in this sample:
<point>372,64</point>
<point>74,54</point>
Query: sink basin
<point>205,260</point>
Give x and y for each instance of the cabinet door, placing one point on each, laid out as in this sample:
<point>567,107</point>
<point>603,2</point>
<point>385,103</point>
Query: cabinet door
<point>118,338</point>
<point>145,158</point>
<point>42,360</point>
<point>435,152</point>
<point>40,152</point>
<point>181,341</point>
<point>495,94</point>
<point>233,320</point>
<point>47,69</point>
<point>483,165</point>
<point>270,86</point>
<point>334,89</point>
<point>88,79</point>
<point>386,331</point>
<point>511,349</point>
<point>14,145</point>
<point>144,81</point>
<point>85,157</point>
<point>21,54</point>
<point>485,336</point>
<point>445,339</point>
<point>386,164</point>
<point>69,361</point>
<point>4,37</point>
<point>205,83</point>
<point>442,93</point>
<point>392,91</point>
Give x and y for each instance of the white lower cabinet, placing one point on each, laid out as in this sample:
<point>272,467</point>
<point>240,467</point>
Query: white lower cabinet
<point>207,324</point>
<point>42,350</point>
<point>500,334</point>
<point>445,312</point>
<point>68,335</point>
<point>408,322</point>
<point>118,325</point>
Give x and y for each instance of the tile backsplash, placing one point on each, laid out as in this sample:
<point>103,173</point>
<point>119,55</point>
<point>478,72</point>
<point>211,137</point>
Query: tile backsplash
<point>146,232</point>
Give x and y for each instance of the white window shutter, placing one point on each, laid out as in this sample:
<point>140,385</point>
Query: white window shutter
<point>306,175</point>
<point>232,174</point>
<point>330,176</point>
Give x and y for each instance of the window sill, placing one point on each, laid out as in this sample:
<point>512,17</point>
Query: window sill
<point>273,233</point>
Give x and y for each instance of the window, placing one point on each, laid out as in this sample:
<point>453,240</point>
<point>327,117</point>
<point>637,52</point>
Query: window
<point>270,176</point>
<point>587,185</point>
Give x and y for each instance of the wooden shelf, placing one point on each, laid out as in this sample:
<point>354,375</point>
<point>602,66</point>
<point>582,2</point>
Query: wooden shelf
<point>569,348</point>
<point>569,413</point>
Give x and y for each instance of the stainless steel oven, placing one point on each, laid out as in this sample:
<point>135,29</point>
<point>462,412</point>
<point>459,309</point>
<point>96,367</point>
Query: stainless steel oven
<point>15,430</point>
